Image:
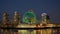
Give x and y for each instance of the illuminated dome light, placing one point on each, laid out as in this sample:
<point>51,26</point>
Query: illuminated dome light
<point>29,17</point>
<point>43,14</point>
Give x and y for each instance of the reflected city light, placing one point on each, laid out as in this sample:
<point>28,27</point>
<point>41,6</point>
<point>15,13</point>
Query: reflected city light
<point>28,21</point>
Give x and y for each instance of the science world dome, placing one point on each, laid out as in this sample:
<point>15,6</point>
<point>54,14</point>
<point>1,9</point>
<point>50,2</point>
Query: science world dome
<point>29,17</point>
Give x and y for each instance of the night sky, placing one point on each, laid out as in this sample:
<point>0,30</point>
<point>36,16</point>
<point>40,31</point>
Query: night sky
<point>51,7</point>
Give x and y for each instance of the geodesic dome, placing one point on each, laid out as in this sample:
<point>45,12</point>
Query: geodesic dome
<point>29,17</point>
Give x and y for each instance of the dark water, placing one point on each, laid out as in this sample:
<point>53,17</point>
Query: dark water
<point>40,31</point>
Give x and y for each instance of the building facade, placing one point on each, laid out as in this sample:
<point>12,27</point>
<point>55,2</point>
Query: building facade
<point>29,21</point>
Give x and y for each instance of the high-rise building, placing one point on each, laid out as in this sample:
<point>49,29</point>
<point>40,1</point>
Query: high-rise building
<point>16,22</point>
<point>5,17</point>
<point>29,21</point>
<point>16,18</point>
<point>5,22</point>
<point>45,18</point>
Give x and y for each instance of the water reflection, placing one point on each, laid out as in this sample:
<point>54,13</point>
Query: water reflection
<point>40,31</point>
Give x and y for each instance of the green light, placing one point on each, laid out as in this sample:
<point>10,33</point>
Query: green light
<point>28,17</point>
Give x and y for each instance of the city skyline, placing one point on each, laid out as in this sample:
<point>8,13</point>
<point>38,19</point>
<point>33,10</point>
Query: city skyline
<point>51,7</point>
<point>29,22</point>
